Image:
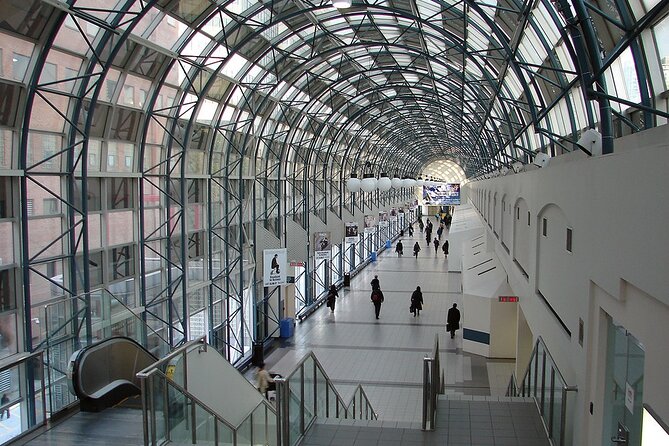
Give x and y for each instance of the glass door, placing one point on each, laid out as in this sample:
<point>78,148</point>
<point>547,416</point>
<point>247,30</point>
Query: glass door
<point>623,400</point>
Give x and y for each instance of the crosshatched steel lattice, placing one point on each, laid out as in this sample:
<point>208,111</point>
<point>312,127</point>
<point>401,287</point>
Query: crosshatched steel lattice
<point>148,148</point>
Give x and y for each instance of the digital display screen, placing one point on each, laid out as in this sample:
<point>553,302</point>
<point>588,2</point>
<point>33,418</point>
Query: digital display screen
<point>442,194</point>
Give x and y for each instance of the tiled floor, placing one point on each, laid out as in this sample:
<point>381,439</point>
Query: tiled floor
<point>386,355</point>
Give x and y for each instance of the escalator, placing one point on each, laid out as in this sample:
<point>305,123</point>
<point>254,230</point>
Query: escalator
<point>104,374</point>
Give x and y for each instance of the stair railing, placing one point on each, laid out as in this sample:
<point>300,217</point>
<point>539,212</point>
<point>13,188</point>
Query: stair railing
<point>433,380</point>
<point>544,382</point>
<point>307,393</point>
<point>172,414</point>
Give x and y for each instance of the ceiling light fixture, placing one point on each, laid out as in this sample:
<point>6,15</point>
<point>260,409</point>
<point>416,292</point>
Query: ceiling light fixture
<point>339,4</point>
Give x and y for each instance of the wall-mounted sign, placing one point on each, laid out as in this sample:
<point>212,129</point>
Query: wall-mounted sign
<point>351,232</point>
<point>370,224</point>
<point>322,241</point>
<point>508,298</point>
<point>274,266</point>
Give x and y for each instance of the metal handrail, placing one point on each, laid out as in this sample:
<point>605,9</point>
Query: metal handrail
<point>311,354</point>
<point>432,386</point>
<point>154,371</point>
<point>512,388</point>
<point>284,394</point>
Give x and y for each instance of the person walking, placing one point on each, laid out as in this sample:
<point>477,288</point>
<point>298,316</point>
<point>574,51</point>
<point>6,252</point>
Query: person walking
<point>332,297</point>
<point>375,283</point>
<point>436,246</point>
<point>421,226</point>
<point>416,249</point>
<point>377,300</point>
<point>444,248</point>
<point>265,380</point>
<point>416,301</point>
<point>410,230</point>
<point>399,248</point>
<point>453,320</point>
<point>440,231</point>
<point>427,239</point>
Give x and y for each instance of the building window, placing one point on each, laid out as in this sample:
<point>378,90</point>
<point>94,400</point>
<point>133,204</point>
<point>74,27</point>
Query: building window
<point>517,213</point>
<point>19,66</point>
<point>569,239</point>
<point>528,218</point>
<point>49,73</point>
<point>544,227</point>
<point>142,97</point>
<point>29,206</point>
<point>50,206</point>
<point>111,160</point>
<point>121,262</point>
<point>128,161</point>
<point>129,95</point>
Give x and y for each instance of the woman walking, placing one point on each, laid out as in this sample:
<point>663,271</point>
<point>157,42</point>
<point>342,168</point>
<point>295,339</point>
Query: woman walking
<point>399,248</point>
<point>416,249</point>
<point>445,248</point>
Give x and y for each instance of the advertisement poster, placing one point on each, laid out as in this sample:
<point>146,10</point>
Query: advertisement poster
<point>442,194</point>
<point>322,245</point>
<point>274,266</point>
<point>370,224</point>
<point>383,219</point>
<point>351,232</point>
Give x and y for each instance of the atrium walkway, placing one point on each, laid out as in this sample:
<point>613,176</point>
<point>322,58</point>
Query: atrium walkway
<point>386,355</point>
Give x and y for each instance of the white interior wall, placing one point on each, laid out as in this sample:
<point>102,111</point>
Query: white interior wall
<point>616,206</point>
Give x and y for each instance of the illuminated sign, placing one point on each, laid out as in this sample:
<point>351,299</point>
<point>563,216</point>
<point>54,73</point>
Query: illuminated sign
<point>508,298</point>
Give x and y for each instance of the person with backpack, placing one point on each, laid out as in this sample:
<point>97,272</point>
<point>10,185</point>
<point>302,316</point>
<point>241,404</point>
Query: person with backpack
<point>416,249</point>
<point>377,300</point>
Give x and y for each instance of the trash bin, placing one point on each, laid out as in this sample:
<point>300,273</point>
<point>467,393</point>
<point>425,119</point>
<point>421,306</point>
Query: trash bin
<point>258,354</point>
<point>373,257</point>
<point>347,279</point>
<point>388,244</point>
<point>286,327</point>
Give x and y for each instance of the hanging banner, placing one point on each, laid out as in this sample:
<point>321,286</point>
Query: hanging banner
<point>383,219</point>
<point>393,214</point>
<point>351,232</point>
<point>370,224</point>
<point>322,245</point>
<point>274,266</point>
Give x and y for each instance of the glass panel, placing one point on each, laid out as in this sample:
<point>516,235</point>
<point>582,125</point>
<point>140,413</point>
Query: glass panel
<point>224,434</point>
<point>309,396</point>
<point>262,432</point>
<point>177,414</point>
<point>332,402</point>
<point>557,408</point>
<point>244,433</point>
<point>204,425</point>
<point>321,394</point>
<point>293,417</point>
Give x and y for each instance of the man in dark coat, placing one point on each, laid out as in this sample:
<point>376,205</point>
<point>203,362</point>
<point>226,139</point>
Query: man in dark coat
<point>377,300</point>
<point>445,248</point>
<point>332,297</point>
<point>399,248</point>
<point>453,320</point>
<point>375,283</point>
<point>416,249</point>
<point>417,301</point>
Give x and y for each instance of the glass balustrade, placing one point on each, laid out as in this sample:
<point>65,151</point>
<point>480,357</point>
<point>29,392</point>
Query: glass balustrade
<point>307,393</point>
<point>544,382</point>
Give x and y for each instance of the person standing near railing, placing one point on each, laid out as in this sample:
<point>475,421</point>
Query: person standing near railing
<point>265,380</point>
